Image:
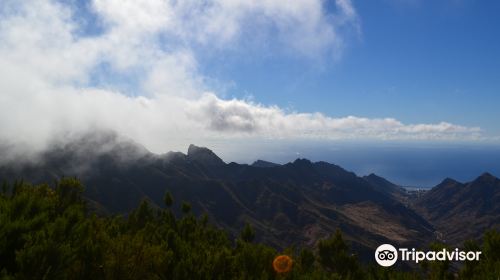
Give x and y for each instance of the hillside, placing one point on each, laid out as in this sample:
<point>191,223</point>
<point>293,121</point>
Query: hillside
<point>48,232</point>
<point>295,203</point>
<point>462,211</point>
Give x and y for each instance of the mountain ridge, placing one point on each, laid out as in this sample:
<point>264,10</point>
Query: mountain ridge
<point>298,202</point>
<point>462,210</point>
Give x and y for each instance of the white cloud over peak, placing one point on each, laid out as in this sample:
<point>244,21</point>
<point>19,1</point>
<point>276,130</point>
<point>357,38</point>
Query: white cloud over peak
<point>55,79</point>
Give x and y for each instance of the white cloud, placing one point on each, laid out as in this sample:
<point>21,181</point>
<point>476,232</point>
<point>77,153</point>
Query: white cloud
<point>135,16</point>
<point>302,25</point>
<point>47,67</point>
<point>240,117</point>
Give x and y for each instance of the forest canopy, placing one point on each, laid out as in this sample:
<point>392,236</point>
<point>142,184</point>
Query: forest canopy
<point>48,232</point>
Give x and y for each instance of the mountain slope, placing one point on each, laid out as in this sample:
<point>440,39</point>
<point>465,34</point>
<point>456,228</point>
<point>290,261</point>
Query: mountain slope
<point>384,186</point>
<point>296,203</point>
<point>462,211</point>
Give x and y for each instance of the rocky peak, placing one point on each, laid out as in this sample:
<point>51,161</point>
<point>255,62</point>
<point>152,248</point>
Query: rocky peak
<point>203,155</point>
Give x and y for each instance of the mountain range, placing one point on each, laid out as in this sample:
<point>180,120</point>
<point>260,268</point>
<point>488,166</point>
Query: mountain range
<point>296,203</point>
<point>462,210</point>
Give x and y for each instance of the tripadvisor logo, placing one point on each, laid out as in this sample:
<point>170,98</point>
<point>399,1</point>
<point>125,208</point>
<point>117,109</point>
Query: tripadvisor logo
<point>387,255</point>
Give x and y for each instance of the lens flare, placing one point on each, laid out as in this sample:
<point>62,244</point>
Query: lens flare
<point>282,264</point>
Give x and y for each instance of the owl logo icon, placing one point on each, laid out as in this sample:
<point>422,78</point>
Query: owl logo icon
<point>386,255</point>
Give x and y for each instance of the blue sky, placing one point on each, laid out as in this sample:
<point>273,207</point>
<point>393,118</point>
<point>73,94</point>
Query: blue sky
<point>231,72</point>
<point>417,61</point>
<point>371,85</point>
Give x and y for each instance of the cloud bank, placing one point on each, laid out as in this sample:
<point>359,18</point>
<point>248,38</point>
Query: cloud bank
<point>131,67</point>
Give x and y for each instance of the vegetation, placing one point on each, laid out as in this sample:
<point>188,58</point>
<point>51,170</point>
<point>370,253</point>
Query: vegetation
<point>48,233</point>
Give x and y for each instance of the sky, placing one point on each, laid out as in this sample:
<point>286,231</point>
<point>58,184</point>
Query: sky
<point>232,72</point>
<point>416,61</point>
